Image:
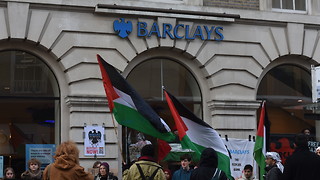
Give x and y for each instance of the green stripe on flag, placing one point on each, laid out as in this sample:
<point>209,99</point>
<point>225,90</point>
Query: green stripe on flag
<point>223,160</point>
<point>258,154</point>
<point>131,118</point>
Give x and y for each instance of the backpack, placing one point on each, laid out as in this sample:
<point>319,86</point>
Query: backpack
<point>142,175</point>
<point>216,174</point>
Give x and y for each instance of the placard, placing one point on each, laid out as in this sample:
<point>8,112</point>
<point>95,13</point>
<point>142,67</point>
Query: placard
<point>94,141</point>
<point>43,152</point>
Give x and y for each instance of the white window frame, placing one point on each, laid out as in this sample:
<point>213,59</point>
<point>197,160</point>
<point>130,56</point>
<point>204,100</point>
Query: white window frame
<point>291,10</point>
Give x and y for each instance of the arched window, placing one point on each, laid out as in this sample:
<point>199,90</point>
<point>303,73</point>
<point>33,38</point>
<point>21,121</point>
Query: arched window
<point>29,98</point>
<point>150,76</point>
<point>287,89</point>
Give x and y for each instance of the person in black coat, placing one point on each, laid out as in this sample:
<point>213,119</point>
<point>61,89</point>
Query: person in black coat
<point>208,167</point>
<point>302,164</point>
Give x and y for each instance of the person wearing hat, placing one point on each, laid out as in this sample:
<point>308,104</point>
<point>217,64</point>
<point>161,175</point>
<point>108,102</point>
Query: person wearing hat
<point>104,173</point>
<point>146,166</point>
<point>208,167</point>
<point>274,168</point>
<point>318,151</point>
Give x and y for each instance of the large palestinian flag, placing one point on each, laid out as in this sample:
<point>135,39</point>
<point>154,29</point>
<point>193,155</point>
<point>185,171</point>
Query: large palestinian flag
<point>260,146</point>
<point>128,108</point>
<point>197,135</point>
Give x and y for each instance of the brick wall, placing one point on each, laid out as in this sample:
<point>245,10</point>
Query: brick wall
<point>236,4</point>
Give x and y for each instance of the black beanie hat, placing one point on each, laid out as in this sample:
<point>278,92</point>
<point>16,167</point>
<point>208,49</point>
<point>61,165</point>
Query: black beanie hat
<point>147,150</point>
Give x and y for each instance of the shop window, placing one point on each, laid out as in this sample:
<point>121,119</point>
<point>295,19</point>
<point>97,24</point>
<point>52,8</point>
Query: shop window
<point>290,5</point>
<point>148,78</point>
<point>287,91</point>
<point>29,99</point>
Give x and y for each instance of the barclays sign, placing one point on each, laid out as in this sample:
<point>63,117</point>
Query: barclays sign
<point>179,31</point>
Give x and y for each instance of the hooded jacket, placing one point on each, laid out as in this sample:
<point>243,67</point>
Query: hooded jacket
<point>207,166</point>
<point>64,168</point>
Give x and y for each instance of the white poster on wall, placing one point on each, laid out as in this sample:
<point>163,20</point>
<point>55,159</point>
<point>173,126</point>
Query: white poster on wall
<point>94,141</point>
<point>241,151</point>
<point>315,76</point>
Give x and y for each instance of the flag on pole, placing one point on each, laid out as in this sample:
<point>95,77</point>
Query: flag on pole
<point>197,135</point>
<point>128,108</point>
<point>260,146</point>
<point>163,149</point>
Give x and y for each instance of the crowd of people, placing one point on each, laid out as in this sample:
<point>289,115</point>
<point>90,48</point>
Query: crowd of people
<point>302,164</point>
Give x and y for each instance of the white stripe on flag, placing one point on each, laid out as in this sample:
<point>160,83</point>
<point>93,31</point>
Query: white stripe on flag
<point>204,136</point>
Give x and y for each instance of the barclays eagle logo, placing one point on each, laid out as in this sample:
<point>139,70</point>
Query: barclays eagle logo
<point>122,28</point>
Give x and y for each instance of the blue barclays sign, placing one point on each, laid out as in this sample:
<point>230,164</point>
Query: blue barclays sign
<point>179,31</point>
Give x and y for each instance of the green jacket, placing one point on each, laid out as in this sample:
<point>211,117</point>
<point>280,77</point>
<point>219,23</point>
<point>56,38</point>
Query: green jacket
<point>148,167</point>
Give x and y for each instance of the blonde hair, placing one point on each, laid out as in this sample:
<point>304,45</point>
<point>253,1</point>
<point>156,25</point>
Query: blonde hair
<point>69,149</point>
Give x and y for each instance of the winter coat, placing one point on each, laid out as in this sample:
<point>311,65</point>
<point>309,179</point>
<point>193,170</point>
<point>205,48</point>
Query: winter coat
<point>302,164</point>
<point>28,175</point>
<point>64,168</point>
<point>148,166</point>
<point>99,177</point>
<point>273,173</point>
<point>207,166</point>
<point>182,174</point>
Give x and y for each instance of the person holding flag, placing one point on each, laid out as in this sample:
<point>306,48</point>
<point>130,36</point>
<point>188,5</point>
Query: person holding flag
<point>197,135</point>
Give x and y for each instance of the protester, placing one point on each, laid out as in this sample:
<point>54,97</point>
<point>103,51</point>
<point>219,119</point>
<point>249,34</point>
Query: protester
<point>307,133</point>
<point>184,172</point>
<point>207,168</point>
<point>167,174</point>
<point>34,172</point>
<point>302,164</point>
<point>247,173</point>
<point>96,164</point>
<point>274,168</point>
<point>146,166</point>
<point>104,172</point>
<point>66,164</point>
<point>9,173</point>
<point>318,151</point>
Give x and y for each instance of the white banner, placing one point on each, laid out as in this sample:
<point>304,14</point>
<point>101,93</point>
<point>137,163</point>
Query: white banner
<point>241,151</point>
<point>315,77</point>
<point>94,141</point>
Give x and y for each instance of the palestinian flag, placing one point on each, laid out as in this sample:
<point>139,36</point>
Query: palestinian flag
<point>260,147</point>
<point>197,135</point>
<point>128,108</point>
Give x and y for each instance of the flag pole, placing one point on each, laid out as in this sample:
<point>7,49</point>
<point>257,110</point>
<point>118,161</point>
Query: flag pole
<point>116,133</point>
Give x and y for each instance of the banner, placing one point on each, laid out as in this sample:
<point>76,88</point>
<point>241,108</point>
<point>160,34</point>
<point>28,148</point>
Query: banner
<point>43,152</point>
<point>241,152</point>
<point>94,141</point>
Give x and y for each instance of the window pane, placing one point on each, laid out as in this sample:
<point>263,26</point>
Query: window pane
<point>276,4</point>
<point>28,106</point>
<point>287,90</point>
<point>287,4</point>
<point>300,5</point>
